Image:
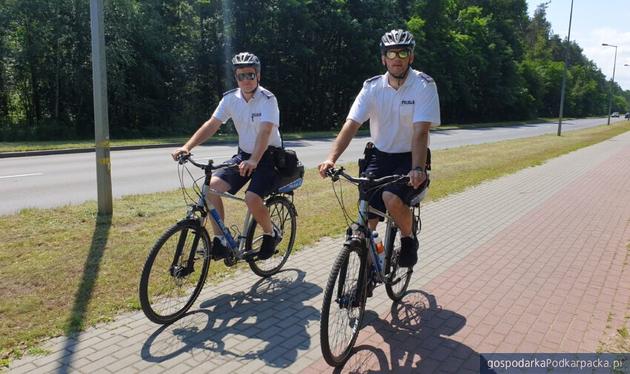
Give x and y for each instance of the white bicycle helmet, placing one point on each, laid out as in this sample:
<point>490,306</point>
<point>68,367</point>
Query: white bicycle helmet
<point>245,59</point>
<point>397,39</point>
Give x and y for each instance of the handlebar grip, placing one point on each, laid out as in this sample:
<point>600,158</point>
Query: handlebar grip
<point>183,158</point>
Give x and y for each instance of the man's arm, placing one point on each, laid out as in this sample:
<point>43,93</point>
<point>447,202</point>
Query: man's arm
<point>348,131</point>
<point>204,132</point>
<point>419,144</point>
<point>262,141</point>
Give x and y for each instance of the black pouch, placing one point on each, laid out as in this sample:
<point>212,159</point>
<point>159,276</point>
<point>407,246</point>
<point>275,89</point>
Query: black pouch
<point>367,156</point>
<point>286,161</point>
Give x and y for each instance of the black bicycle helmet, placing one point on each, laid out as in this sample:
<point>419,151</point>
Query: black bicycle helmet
<point>397,39</point>
<point>245,59</point>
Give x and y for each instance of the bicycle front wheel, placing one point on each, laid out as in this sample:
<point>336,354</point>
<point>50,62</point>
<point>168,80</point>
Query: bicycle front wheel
<point>174,272</point>
<point>284,220</point>
<point>344,305</point>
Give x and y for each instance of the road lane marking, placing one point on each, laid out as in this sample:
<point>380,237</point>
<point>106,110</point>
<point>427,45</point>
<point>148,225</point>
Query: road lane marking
<point>20,175</point>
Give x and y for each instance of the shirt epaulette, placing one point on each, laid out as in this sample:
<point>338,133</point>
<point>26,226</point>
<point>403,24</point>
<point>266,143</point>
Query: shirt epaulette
<point>267,94</point>
<point>372,79</point>
<point>426,77</point>
<point>230,91</point>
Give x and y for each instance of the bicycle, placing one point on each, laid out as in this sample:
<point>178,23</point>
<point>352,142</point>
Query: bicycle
<point>177,265</point>
<point>357,270</point>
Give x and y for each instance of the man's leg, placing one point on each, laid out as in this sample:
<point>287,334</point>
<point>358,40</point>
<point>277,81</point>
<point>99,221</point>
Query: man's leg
<point>399,211</point>
<point>259,211</point>
<point>403,218</point>
<point>220,185</point>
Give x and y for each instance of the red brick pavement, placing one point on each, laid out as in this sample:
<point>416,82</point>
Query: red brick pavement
<point>556,280</point>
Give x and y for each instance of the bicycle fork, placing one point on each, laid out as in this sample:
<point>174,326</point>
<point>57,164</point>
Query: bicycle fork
<point>176,269</point>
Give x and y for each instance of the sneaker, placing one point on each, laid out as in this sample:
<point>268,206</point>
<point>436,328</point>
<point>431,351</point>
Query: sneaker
<point>268,246</point>
<point>219,251</point>
<point>408,252</point>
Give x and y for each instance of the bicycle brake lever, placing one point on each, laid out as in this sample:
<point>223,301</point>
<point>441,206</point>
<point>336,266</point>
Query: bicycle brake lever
<point>182,159</point>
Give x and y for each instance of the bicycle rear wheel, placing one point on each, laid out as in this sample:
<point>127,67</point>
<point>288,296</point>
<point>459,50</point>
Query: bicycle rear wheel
<point>344,305</point>
<point>284,220</point>
<point>174,272</point>
<point>398,278</point>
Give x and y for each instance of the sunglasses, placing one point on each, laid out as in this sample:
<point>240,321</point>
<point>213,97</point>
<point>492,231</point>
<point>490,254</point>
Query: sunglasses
<point>245,76</point>
<point>401,54</point>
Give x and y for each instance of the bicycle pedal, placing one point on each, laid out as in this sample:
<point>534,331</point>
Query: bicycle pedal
<point>250,256</point>
<point>230,260</point>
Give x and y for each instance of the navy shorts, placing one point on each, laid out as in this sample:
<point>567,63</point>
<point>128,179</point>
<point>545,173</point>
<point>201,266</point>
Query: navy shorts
<point>263,179</point>
<point>383,164</point>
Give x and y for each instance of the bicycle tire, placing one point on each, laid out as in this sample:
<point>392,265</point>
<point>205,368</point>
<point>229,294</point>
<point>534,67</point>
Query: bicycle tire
<point>398,278</point>
<point>343,298</point>
<point>166,306</point>
<point>284,217</point>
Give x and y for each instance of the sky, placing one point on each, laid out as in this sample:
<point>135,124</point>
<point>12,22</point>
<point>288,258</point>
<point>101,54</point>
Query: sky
<point>594,23</point>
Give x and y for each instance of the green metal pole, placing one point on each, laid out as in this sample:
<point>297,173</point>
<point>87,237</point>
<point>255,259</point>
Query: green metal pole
<point>101,121</point>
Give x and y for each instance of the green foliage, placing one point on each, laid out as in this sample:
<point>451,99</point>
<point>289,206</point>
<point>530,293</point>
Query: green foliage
<point>168,62</point>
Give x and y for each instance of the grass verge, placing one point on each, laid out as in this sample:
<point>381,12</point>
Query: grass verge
<point>80,144</point>
<point>66,268</point>
<point>220,138</point>
<point>617,338</point>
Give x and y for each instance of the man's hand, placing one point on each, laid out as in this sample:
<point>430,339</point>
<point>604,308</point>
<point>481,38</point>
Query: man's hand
<point>247,167</point>
<point>416,178</point>
<point>179,152</point>
<point>325,166</point>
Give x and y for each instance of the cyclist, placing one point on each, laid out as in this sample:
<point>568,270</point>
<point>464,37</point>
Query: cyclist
<point>402,105</point>
<point>256,117</point>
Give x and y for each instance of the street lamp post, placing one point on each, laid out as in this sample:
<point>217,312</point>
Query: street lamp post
<point>613,80</point>
<point>564,73</point>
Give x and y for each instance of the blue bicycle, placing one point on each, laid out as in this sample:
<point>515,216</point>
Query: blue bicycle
<point>177,265</point>
<point>359,268</point>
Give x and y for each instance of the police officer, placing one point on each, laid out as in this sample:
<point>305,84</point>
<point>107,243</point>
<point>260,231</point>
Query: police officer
<point>254,111</point>
<point>402,105</point>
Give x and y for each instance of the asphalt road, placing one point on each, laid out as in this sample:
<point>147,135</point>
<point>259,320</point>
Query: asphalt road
<point>55,180</point>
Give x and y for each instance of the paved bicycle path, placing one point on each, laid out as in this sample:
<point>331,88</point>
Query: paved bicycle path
<point>535,261</point>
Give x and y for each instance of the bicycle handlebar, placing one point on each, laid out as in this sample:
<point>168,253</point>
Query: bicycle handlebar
<point>182,159</point>
<point>334,174</point>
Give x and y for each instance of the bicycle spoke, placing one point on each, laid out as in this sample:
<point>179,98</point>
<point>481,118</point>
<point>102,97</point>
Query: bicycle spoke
<point>345,303</point>
<point>283,220</point>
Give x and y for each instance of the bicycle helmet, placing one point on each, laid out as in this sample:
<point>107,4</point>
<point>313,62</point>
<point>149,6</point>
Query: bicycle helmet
<point>245,59</point>
<point>397,39</point>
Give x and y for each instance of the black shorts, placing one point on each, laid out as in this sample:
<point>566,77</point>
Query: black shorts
<point>263,179</point>
<point>383,164</point>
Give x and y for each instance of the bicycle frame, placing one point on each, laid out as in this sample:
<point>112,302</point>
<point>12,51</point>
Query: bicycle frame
<point>364,209</point>
<point>203,205</point>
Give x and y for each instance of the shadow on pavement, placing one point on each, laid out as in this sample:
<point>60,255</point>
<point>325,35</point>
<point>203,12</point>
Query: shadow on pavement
<point>86,287</point>
<point>412,338</point>
<point>268,323</point>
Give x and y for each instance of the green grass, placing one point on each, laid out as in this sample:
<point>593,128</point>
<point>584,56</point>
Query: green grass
<point>617,341</point>
<point>66,268</point>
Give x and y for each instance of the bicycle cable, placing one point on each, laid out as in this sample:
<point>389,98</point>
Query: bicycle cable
<point>340,200</point>
<point>370,193</point>
<point>188,198</point>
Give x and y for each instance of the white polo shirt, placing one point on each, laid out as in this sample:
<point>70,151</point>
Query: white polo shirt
<point>247,116</point>
<point>393,112</point>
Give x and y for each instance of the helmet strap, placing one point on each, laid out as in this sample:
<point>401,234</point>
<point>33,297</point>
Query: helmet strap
<point>401,78</point>
<point>250,94</point>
